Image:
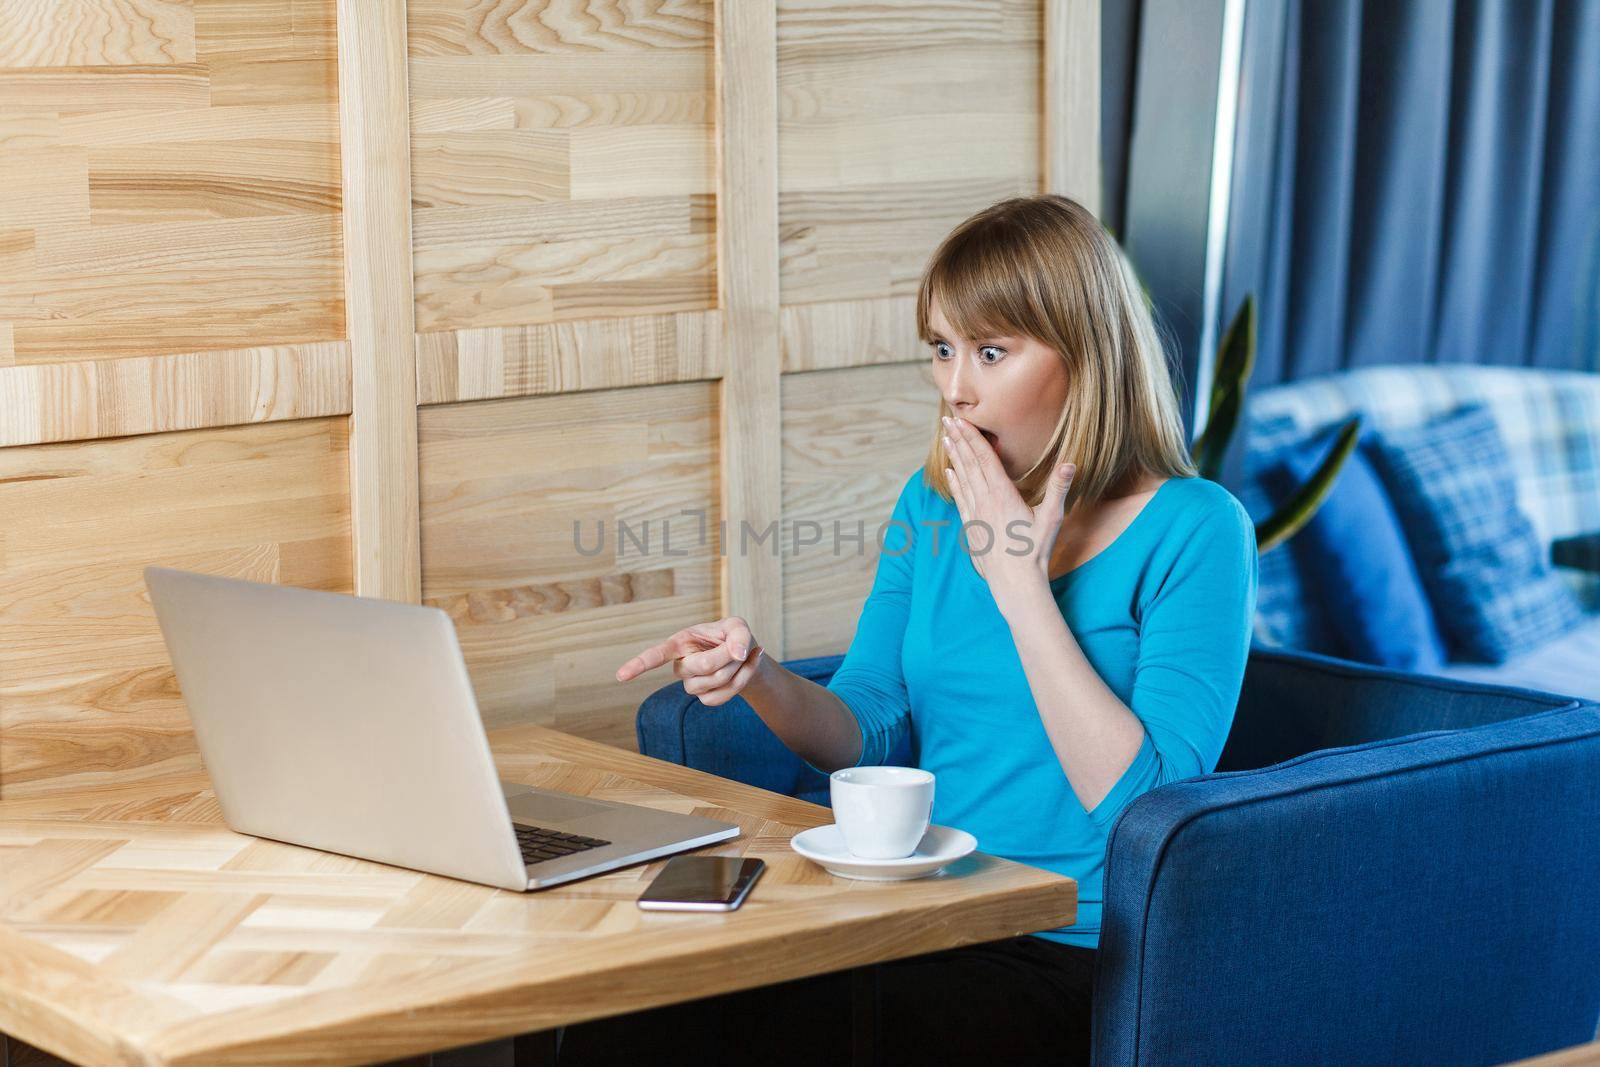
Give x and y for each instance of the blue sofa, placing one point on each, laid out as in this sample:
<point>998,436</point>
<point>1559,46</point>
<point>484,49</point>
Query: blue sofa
<point>1550,424</point>
<point>1386,868</point>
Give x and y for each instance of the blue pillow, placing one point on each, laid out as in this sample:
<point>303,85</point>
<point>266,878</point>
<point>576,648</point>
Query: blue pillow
<point>1481,562</point>
<point>1354,555</point>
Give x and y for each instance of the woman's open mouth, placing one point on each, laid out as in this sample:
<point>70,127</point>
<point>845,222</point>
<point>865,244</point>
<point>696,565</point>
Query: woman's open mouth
<point>992,438</point>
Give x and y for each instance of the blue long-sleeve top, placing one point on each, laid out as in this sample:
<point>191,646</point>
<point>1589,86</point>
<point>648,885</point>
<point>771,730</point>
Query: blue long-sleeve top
<point>1163,614</point>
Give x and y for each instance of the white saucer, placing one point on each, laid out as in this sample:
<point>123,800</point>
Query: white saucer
<point>941,845</point>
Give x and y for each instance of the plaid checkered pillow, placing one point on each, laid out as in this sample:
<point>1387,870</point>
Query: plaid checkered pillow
<point>1483,566</point>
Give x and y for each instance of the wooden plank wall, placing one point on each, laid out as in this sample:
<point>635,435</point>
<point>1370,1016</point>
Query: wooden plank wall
<point>573,268</point>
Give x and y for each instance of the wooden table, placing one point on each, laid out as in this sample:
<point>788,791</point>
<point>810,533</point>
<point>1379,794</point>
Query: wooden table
<point>135,928</point>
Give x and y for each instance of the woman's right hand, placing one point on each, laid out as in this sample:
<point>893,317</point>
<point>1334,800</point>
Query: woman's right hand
<point>715,659</point>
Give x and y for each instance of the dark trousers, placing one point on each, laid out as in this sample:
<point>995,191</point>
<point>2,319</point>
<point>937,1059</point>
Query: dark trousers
<point>1020,1000</point>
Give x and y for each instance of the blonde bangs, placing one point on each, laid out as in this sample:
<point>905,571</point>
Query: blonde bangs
<point>977,292</point>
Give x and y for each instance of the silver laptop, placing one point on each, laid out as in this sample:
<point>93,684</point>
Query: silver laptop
<point>348,724</point>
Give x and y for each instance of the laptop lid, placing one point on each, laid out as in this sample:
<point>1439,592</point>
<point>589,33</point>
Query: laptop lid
<point>340,722</point>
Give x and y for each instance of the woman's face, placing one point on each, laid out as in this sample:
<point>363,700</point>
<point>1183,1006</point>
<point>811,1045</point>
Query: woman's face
<point>1010,387</point>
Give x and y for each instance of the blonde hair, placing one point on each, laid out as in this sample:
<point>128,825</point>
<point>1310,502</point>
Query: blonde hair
<point>1043,266</point>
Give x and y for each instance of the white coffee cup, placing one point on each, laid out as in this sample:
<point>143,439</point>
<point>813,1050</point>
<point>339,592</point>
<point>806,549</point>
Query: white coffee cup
<point>881,811</point>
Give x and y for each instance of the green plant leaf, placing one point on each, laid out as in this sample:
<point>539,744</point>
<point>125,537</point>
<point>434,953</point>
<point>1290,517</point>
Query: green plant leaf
<point>1212,444</point>
<point>1236,361</point>
<point>1236,355</point>
<point>1303,503</point>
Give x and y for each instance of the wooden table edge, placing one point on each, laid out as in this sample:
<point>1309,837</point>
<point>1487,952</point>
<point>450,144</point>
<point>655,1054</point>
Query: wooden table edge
<point>338,1027</point>
<point>28,1015</point>
<point>417,1019</point>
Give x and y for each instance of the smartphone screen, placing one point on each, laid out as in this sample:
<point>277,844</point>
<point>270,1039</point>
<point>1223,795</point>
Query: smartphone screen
<point>702,883</point>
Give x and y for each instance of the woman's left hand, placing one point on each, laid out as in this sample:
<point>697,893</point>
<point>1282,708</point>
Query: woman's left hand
<point>1017,559</point>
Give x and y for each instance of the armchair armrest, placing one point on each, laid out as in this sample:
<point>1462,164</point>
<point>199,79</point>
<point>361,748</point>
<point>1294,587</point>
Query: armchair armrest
<point>730,740</point>
<point>1581,552</point>
<point>1294,702</point>
<point>1423,899</point>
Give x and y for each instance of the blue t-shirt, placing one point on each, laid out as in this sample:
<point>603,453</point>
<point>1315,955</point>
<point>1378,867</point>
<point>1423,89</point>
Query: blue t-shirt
<point>1163,614</point>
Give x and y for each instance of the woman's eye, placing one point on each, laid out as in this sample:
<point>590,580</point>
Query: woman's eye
<point>999,353</point>
<point>939,350</point>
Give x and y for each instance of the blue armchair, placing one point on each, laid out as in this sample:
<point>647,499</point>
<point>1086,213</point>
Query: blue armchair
<point>1386,868</point>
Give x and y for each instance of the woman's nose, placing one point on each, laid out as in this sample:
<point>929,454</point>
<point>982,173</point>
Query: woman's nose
<point>958,389</point>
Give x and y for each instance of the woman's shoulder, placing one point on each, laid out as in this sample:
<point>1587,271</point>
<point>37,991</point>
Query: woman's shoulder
<point>916,495</point>
<point>1202,492</point>
<point>1207,548</point>
<point>1204,507</point>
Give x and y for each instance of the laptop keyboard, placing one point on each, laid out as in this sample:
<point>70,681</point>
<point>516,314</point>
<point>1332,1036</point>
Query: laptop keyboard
<point>539,844</point>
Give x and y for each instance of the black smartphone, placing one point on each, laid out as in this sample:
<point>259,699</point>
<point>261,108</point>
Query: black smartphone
<point>702,883</point>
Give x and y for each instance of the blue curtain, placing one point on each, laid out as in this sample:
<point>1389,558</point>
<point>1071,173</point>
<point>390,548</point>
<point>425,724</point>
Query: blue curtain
<point>1418,182</point>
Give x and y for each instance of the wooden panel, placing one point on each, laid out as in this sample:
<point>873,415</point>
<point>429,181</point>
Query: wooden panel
<point>851,334</point>
<point>547,612</point>
<point>746,51</point>
<point>895,122</point>
<point>87,693</point>
<point>171,177</point>
<point>148,394</point>
<point>175,941</point>
<point>1072,100</point>
<point>374,131</point>
<point>851,437</point>
<point>503,361</point>
<point>562,161</point>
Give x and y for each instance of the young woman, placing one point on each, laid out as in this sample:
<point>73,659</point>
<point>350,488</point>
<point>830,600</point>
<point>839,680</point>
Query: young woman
<point>1059,620</point>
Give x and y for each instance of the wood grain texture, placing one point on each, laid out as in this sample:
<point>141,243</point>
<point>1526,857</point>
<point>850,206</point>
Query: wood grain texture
<point>89,399</point>
<point>854,333</point>
<point>506,361</point>
<point>172,178</point>
<point>747,236</point>
<point>143,86</point>
<point>87,693</point>
<point>896,121</point>
<point>851,438</point>
<point>1072,100</point>
<point>562,160</point>
<point>524,502</point>
<point>93,33</point>
<point>171,940</point>
<point>374,128</point>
